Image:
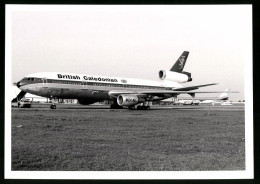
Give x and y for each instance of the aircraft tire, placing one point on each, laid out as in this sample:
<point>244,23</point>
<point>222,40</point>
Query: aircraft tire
<point>131,107</point>
<point>139,107</point>
<point>53,106</point>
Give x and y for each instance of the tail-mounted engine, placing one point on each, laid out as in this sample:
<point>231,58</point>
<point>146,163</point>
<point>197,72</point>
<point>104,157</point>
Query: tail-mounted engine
<point>176,73</point>
<point>175,76</point>
<point>128,100</point>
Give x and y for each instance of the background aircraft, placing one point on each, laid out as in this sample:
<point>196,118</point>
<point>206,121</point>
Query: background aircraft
<point>197,100</point>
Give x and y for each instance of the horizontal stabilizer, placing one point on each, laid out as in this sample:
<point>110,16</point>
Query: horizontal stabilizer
<point>193,87</point>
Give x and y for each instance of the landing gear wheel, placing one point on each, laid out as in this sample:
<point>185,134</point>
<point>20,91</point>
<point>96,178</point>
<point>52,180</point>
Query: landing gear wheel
<point>139,107</point>
<point>53,106</point>
<point>131,107</point>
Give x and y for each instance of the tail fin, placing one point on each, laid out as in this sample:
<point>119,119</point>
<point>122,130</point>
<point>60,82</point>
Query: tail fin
<point>224,96</point>
<point>180,63</point>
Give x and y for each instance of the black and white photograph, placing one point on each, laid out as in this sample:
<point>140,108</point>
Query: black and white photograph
<point>128,92</point>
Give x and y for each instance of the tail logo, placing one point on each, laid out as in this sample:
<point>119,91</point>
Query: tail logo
<point>181,60</point>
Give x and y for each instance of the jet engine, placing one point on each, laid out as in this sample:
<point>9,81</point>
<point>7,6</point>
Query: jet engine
<point>175,76</point>
<point>128,100</point>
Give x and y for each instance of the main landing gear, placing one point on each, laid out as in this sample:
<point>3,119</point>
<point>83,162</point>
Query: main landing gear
<point>142,106</point>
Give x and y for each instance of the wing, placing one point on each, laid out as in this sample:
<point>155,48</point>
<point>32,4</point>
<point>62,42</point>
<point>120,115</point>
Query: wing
<point>158,93</point>
<point>163,93</point>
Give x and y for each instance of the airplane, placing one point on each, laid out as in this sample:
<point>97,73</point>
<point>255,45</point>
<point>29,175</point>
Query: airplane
<point>189,102</point>
<point>197,100</point>
<point>225,103</point>
<point>124,92</point>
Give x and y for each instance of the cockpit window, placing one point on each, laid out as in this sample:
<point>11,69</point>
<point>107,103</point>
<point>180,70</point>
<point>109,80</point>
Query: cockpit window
<point>29,79</point>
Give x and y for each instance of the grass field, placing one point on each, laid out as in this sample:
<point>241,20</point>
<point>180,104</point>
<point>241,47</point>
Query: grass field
<point>125,140</point>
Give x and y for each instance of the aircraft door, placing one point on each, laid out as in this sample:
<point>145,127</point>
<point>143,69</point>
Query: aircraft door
<point>124,86</point>
<point>44,81</point>
<point>84,84</point>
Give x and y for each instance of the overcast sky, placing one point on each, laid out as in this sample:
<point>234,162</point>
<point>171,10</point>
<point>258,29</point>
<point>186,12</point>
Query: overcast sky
<point>134,41</point>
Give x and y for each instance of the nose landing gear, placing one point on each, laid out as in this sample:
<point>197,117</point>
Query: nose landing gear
<point>53,106</point>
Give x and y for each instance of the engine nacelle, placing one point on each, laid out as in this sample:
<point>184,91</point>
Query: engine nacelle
<point>188,74</point>
<point>175,76</point>
<point>128,100</point>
